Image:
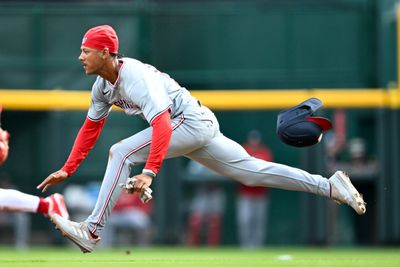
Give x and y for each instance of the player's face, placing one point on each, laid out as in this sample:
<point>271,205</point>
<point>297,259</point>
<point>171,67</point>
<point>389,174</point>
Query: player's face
<point>92,60</point>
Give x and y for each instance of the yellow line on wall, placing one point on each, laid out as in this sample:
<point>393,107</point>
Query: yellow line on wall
<point>46,100</point>
<point>36,100</point>
<point>277,99</point>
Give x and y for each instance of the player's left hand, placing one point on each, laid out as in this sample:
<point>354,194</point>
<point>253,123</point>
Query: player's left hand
<point>53,179</point>
<point>142,182</point>
<point>144,192</point>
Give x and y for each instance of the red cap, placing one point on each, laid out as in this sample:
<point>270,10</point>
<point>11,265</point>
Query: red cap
<point>100,37</point>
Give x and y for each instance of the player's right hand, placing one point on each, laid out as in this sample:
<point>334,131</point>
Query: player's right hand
<point>53,179</point>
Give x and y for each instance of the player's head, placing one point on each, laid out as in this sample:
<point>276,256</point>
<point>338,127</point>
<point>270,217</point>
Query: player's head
<point>100,38</point>
<point>99,44</point>
<point>297,126</point>
<point>254,138</point>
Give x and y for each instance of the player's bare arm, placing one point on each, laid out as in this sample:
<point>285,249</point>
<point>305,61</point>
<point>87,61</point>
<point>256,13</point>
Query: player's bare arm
<point>53,179</point>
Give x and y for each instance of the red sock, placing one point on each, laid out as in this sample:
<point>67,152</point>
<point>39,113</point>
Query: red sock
<point>43,207</point>
<point>93,235</point>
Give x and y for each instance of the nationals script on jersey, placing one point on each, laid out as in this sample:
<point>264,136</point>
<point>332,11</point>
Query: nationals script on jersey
<point>140,89</point>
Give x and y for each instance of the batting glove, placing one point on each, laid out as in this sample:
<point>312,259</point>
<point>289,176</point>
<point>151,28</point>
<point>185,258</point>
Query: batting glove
<point>128,186</point>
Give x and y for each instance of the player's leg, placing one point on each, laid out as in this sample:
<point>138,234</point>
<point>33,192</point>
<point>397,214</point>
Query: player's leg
<point>229,159</point>
<point>186,137</point>
<point>122,156</point>
<point>190,132</point>
<point>14,200</point>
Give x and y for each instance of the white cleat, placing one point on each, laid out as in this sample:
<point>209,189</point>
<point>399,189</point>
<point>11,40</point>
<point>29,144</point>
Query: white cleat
<point>76,232</point>
<point>343,191</point>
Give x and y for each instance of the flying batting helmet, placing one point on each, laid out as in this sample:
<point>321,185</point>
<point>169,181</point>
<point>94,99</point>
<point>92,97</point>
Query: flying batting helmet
<point>296,126</point>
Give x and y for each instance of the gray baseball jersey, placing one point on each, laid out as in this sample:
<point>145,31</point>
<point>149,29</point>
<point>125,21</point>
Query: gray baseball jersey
<point>142,90</point>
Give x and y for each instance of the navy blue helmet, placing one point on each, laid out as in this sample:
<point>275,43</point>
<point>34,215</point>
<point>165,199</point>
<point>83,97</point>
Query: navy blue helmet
<point>297,127</point>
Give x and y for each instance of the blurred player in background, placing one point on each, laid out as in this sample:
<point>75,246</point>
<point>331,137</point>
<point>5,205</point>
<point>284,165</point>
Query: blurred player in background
<point>253,201</point>
<point>179,126</point>
<point>14,200</point>
<point>206,208</point>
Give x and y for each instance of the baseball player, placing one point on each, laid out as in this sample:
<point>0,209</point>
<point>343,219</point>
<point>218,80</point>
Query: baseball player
<point>179,126</point>
<point>14,200</point>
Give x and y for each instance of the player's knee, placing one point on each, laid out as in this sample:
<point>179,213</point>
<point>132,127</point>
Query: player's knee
<point>115,151</point>
<point>119,152</point>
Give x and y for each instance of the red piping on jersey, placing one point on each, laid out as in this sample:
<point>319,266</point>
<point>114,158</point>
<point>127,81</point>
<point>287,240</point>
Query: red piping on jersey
<point>179,122</point>
<point>117,176</point>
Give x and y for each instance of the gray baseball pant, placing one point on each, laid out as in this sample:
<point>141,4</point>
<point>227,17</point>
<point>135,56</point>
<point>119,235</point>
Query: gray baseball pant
<point>196,135</point>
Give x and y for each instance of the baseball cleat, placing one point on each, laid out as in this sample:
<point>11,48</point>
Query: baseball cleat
<point>76,232</point>
<point>57,206</point>
<point>343,191</point>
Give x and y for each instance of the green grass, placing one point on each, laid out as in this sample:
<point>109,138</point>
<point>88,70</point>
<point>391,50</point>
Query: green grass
<point>201,257</point>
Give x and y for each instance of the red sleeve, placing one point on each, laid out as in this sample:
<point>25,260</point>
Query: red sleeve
<point>162,131</point>
<point>84,142</point>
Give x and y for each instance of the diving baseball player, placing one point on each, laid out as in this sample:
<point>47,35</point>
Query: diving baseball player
<point>179,126</point>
